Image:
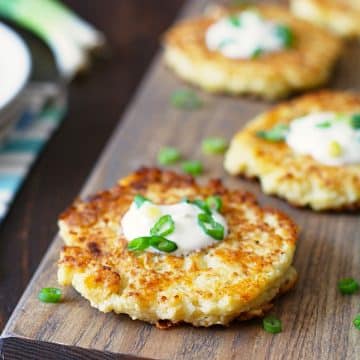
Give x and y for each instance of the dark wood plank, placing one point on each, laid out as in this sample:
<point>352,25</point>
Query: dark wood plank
<point>20,349</point>
<point>96,102</point>
<point>316,318</point>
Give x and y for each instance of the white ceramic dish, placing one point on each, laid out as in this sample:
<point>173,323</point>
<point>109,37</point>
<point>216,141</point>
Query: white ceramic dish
<point>15,65</point>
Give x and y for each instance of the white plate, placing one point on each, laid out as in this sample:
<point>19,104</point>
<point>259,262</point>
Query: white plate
<point>15,65</point>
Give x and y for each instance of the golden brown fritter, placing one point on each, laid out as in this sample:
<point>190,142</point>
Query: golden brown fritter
<point>299,179</point>
<point>307,64</point>
<point>340,16</point>
<point>236,278</point>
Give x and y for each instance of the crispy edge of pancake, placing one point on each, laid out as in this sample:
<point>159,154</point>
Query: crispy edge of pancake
<point>343,19</point>
<point>78,258</point>
<point>287,283</point>
<point>309,63</point>
<point>300,179</point>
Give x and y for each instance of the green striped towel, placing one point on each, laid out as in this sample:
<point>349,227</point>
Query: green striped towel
<point>43,106</point>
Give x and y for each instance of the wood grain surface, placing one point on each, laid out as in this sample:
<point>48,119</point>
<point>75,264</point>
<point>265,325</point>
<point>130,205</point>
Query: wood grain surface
<point>317,320</point>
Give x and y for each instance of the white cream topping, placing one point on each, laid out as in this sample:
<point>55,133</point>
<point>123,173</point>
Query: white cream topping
<point>188,235</point>
<point>326,136</point>
<point>252,34</point>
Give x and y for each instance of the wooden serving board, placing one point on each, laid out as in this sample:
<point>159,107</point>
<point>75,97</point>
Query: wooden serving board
<point>317,320</point>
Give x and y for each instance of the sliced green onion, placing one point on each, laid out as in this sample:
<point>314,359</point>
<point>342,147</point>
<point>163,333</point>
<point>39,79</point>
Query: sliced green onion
<point>185,99</point>
<point>348,286</point>
<point>214,145</point>
<point>164,226</point>
<point>234,20</point>
<point>167,246</point>
<point>356,321</point>
<point>139,244</point>
<point>202,205</point>
<point>49,295</point>
<point>168,156</point>
<point>214,202</point>
<point>324,125</point>
<point>225,42</point>
<point>355,121</point>
<point>139,200</point>
<point>272,325</point>
<point>277,133</point>
<point>211,227</point>
<point>192,167</point>
<point>286,35</point>
<point>257,53</point>
<point>158,242</point>
<point>240,2</point>
<point>162,244</point>
<point>68,36</point>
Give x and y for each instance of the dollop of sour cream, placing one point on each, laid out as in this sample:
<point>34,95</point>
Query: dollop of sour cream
<point>244,35</point>
<point>327,136</point>
<point>188,235</point>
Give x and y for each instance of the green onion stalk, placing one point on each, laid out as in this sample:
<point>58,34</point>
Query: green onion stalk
<point>70,38</point>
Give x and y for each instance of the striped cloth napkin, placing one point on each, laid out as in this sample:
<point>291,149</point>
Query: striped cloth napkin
<point>41,110</point>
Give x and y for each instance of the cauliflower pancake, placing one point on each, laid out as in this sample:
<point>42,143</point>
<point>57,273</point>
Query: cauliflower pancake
<point>340,16</point>
<point>235,279</point>
<point>300,179</point>
<point>307,64</point>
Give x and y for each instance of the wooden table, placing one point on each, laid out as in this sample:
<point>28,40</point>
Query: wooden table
<point>316,318</point>
<point>133,28</point>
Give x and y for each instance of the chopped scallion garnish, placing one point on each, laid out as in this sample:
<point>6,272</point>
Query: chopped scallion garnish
<point>157,242</point>
<point>185,99</point>
<point>164,226</point>
<point>356,321</point>
<point>162,244</point>
<point>211,227</point>
<point>214,202</point>
<point>139,200</point>
<point>272,324</point>
<point>192,167</point>
<point>324,124</point>
<point>277,133</point>
<point>168,156</point>
<point>211,203</point>
<point>214,145</point>
<point>355,121</point>
<point>234,20</point>
<point>257,53</point>
<point>49,295</point>
<point>241,2</point>
<point>201,204</point>
<point>286,35</point>
<point>348,286</point>
<point>139,244</point>
<point>225,42</point>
